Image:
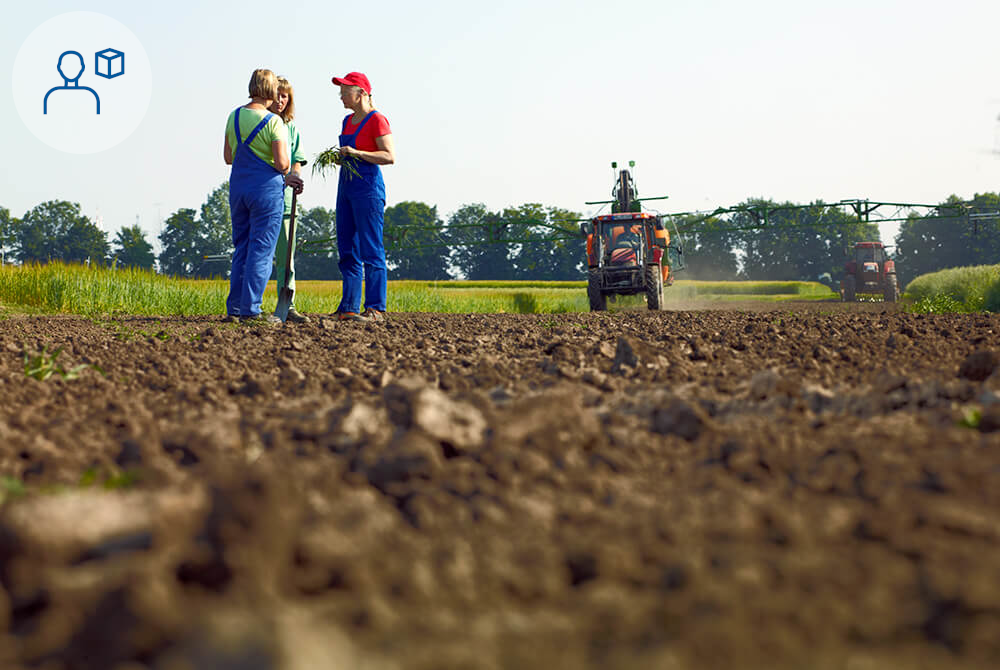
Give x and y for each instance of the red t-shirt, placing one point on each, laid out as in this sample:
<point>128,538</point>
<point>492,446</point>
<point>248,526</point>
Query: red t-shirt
<point>377,126</point>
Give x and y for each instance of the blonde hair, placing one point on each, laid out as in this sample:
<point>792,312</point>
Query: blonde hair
<point>284,86</point>
<point>263,84</point>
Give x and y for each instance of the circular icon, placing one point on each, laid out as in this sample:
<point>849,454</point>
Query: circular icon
<point>82,82</point>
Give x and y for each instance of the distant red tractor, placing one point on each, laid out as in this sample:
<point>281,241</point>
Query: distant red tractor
<point>870,273</point>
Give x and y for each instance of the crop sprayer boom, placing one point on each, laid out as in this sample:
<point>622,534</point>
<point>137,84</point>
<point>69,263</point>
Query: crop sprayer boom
<point>496,229</point>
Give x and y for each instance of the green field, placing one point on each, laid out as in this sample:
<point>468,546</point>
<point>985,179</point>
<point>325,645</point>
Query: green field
<point>75,289</point>
<point>964,289</point>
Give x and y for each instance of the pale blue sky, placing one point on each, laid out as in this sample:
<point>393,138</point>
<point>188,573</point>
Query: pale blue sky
<point>514,102</point>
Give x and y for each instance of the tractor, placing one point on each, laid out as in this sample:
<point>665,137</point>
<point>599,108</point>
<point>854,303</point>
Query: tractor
<point>871,272</point>
<point>626,249</point>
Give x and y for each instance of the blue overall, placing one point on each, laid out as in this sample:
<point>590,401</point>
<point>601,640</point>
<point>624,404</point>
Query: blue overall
<point>256,202</point>
<point>360,216</point>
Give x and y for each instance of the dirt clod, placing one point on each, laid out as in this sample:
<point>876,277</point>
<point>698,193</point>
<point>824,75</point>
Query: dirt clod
<point>979,365</point>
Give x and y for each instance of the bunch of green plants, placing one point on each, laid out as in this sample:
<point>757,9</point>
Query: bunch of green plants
<point>991,297</point>
<point>10,487</point>
<point>964,289</point>
<point>971,418</point>
<point>110,480</point>
<point>938,304</point>
<point>94,477</point>
<point>43,365</point>
<point>329,160</point>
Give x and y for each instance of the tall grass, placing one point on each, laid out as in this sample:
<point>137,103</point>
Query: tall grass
<point>59,288</point>
<point>965,289</point>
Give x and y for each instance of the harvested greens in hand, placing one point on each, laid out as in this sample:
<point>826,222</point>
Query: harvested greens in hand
<point>331,159</point>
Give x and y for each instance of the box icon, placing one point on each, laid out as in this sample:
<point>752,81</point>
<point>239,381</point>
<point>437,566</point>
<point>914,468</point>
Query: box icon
<point>109,63</point>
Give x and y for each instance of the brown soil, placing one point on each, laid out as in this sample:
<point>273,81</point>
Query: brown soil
<point>786,487</point>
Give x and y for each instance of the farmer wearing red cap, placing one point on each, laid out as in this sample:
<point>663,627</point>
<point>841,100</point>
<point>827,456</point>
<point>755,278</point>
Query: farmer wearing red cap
<point>366,140</point>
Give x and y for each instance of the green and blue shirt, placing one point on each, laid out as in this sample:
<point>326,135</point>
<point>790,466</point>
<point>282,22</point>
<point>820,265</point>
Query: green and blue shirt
<point>261,145</point>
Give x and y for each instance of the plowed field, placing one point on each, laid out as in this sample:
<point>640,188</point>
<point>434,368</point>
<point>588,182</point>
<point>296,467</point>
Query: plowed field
<point>808,486</point>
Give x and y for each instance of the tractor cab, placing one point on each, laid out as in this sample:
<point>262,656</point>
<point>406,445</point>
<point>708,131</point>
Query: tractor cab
<point>624,194</point>
<point>625,240</point>
<point>869,253</point>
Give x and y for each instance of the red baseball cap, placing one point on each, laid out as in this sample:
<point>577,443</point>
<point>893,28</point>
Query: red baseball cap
<point>354,79</point>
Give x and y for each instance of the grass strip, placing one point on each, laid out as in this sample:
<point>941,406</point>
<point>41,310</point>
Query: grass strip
<point>963,289</point>
<point>76,289</point>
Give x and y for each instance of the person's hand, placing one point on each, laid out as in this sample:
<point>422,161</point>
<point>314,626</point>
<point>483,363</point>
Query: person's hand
<point>348,151</point>
<point>295,181</point>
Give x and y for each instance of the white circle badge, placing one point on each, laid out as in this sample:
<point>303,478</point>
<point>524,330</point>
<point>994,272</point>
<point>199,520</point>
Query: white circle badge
<point>82,82</point>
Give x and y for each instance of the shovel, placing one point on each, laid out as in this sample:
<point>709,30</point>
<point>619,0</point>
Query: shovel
<point>286,293</point>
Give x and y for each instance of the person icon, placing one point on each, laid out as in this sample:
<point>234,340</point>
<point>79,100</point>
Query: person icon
<point>71,83</point>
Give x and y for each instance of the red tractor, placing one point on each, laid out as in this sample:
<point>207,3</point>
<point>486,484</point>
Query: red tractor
<point>627,250</point>
<point>871,273</point>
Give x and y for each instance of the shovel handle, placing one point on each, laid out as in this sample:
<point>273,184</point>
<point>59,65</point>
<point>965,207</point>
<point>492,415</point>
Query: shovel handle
<point>291,239</point>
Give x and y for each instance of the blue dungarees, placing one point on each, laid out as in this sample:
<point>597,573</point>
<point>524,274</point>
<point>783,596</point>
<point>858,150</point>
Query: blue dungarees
<point>360,212</point>
<point>256,202</point>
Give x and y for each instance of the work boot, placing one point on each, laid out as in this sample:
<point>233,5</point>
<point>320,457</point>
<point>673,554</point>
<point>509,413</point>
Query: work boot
<point>295,317</point>
<point>350,316</point>
<point>231,318</point>
<point>374,315</point>
<point>261,319</point>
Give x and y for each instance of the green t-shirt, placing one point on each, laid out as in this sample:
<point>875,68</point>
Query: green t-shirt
<point>297,156</point>
<point>261,145</point>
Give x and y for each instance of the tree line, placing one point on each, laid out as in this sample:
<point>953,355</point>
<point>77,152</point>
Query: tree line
<point>530,241</point>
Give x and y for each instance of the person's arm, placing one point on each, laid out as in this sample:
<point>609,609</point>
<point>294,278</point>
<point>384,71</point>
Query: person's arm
<point>385,155</point>
<point>227,152</point>
<point>298,158</point>
<point>294,177</point>
<point>279,151</point>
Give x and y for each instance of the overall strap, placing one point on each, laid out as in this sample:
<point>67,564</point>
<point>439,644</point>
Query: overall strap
<point>364,121</point>
<point>343,127</point>
<point>258,128</point>
<point>236,124</point>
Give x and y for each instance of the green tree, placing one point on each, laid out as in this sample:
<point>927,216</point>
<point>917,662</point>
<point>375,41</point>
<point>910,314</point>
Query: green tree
<point>216,223</point>
<point>186,241</point>
<point>797,243</point>
<point>8,234</point>
<point>553,249</point>
<point>411,251</point>
<point>949,237</point>
<point>85,242</point>
<point>181,244</point>
<point>709,247</point>
<point>57,230</point>
<point>319,225</point>
<point>479,248</point>
<point>131,249</point>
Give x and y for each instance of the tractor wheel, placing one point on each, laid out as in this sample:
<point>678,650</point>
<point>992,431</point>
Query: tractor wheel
<point>891,293</point>
<point>598,301</point>
<point>654,287</point>
<point>849,287</point>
